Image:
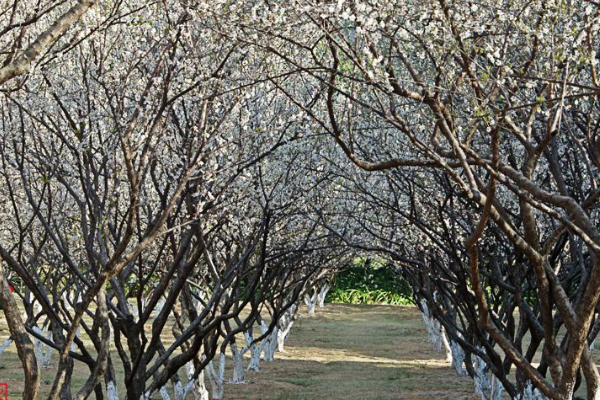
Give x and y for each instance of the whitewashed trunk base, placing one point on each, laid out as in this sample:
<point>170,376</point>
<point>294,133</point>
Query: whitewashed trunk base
<point>4,345</point>
<point>269,344</point>
<point>487,386</point>
<point>216,378</point>
<point>255,351</point>
<point>311,303</point>
<point>238,364</point>
<point>531,393</point>
<point>111,391</point>
<point>42,351</point>
<point>197,387</point>
<point>322,295</point>
<point>458,359</point>
<point>285,325</point>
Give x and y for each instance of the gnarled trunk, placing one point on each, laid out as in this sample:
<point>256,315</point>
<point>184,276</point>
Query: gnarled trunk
<point>311,302</point>
<point>458,359</point>
<point>285,325</point>
<point>322,294</point>
<point>269,344</point>
<point>43,352</point>
<point>216,378</point>
<point>238,363</point>
<point>487,386</point>
<point>531,393</point>
<point>255,351</point>
<point>24,346</point>
<point>196,386</point>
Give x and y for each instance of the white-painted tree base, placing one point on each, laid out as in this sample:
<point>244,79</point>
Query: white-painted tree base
<point>197,386</point>
<point>311,303</point>
<point>111,391</point>
<point>285,325</point>
<point>322,294</point>
<point>42,351</point>
<point>4,345</point>
<point>238,364</point>
<point>216,378</point>
<point>531,393</point>
<point>435,332</point>
<point>458,359</point>
<point>159,307</point>
<point>269,343</point>
<point>255,352</point>
<point>164,394</point>
<point>487,386</point>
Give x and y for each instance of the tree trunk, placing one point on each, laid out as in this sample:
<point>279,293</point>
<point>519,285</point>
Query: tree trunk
<point>310,302</point>
<point>255,351</point>
<point>197,386</point>
<point>100,366</point>
<point>24,346</point>
<point>269,344</point>
<point>5,344</point>
<point>111,391</point>
<point>285,325</point>
<point>216,378</point>
<point>458,359</point>
<point>238,363</point>
<point>322,294</point>
<point>137,382</point>
<point>487,386</point>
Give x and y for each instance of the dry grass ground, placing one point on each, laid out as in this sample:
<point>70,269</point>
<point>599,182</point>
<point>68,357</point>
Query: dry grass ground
<point>354,353</point>
<point>343,353</point>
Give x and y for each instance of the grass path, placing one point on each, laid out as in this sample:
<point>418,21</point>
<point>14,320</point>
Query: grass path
<point>343,353</point>
<point>356,352</point>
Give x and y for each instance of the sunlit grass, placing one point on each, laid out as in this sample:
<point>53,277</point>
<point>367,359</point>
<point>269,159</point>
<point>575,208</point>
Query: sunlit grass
<point>344,352</point>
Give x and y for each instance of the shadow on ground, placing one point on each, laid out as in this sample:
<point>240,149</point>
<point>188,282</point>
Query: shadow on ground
<point>356,352</point>
<point>343,353</point>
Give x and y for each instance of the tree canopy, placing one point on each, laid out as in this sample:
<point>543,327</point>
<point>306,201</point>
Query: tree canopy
<point>224,158</point>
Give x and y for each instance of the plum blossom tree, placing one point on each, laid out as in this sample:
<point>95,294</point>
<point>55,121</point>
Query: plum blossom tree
<point>27,32</point>
<point>210,157</point>
<point>132,177</point>
<point>501,100</point>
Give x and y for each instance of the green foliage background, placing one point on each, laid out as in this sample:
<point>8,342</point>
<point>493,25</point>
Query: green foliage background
<point>370,281</point>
